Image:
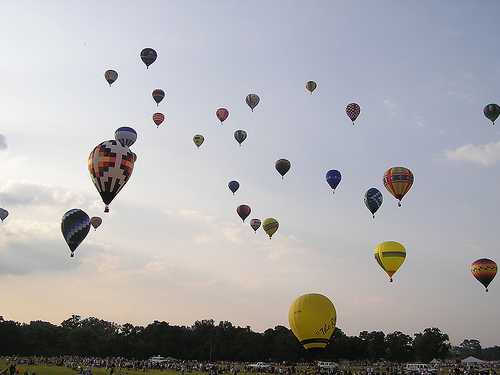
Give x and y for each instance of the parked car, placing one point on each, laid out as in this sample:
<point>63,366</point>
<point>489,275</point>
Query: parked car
<point>158,360</point>
<point>262,365</point>
<point>419,368</point>
<point>333,366</point>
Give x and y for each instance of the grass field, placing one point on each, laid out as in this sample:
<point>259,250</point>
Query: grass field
<point>43,369</point>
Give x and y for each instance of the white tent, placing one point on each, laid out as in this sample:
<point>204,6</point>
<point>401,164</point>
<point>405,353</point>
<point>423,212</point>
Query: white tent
<point>472,359</point>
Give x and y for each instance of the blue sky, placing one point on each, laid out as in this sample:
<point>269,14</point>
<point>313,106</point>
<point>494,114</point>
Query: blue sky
<point>173,248</point>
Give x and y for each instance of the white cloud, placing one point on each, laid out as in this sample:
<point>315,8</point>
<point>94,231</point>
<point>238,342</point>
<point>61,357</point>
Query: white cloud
<point>391,107</point>
<point>483,154</point>
<point>15,192</point>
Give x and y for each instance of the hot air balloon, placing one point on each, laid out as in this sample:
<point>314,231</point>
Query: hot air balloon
<point>3,214</point>
<point>110,165</point>
<point>311,86</point>
<point>126,136</point>
<point>158,95</point>
<point>484,270</point>
<point>353,111</point>
<point>110,76</point>
<point>390,256</point>
<point>158,118</point>
<point>75,225</point>
<point>148,56</point>
<point>95,221</point>
<point>373,200</point>
<point>398,181</point>
<point>222,114</point>
<point>312,318</point>
<point>270,226</point>
<point>240,136</point>
<point>198,139</point>
<point>255,224</point>
<point>282,166</point>
<point>333,178</point>
<point>243,211</point>
<point>492,111</point>
<point>233,186</point>
<point>252,100</point>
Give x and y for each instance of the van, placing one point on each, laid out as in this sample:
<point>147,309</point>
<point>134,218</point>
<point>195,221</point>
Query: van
<point>419,368</point>
<point>327,365</point>
<point>158,360</point>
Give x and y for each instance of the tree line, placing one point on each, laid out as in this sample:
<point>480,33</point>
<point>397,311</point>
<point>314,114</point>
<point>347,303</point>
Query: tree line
<point>206,341</point>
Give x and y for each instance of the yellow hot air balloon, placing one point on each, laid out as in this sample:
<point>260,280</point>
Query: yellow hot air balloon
<point>270,226</point>
<point>390,256</point>
<point>198,139</point>
<point>312,318</point>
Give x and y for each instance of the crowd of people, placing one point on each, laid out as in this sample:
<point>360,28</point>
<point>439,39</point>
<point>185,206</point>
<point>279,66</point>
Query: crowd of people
<point>121,366</point>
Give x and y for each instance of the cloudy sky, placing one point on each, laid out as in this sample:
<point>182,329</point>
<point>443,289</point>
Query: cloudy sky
<point>172,247</point>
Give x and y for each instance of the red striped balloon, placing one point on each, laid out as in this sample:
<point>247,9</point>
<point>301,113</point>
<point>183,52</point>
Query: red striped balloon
<point>243,211</point>
<point>158,118</point>
<point>484,270</point>
<point>398,181</point>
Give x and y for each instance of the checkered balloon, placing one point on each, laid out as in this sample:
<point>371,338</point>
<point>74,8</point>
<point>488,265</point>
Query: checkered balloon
<point>110,165</point>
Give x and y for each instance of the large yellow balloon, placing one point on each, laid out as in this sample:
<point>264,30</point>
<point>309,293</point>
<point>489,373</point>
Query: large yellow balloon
<point>312,318</point>
<point>390,256</point>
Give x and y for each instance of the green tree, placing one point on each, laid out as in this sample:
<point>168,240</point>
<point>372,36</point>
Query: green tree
<point>471,347</point>
<point>12,340</point>
<point>399,347</point>
<point>431,344</point>
<point>43,338</point>
<point>83,342</point>
<point>374,343</point>
<point>72,323</point>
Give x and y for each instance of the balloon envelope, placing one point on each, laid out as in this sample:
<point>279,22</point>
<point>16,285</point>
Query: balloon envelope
<point>222,114</point>
<point>252,100</point>
<point>282,166</point>
<point>255,224</point>
<point>312,318</point>
<point>95,221</point>
<point>233,186</point>
<point>270,226</point>
<point>353,111</point>
<point>158,95</point>
<point>243,211</point>
<point>484,270</point>
<point>398,181</point>
<point>148,56</point>
<point>75,225</point>
<point>158,118</point>
<point>198,139</point>
<point>240,136</point>
<point>3,214</point>
<point>390,256</point>
<point>492,111</point>
<point>110,166</point>
<point>333,178</point>
<point>110,76</point>
<point>126,136</point>
<point>373,200</point>
<point>311,86</point>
